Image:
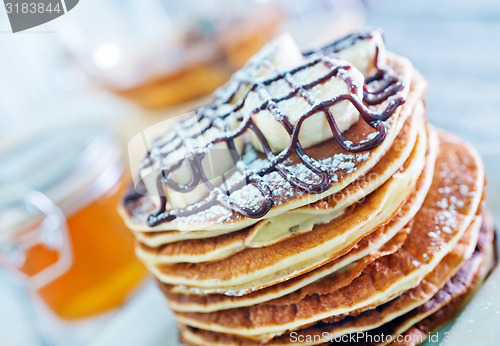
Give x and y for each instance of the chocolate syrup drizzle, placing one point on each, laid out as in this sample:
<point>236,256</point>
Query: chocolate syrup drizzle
<point>377,89</point>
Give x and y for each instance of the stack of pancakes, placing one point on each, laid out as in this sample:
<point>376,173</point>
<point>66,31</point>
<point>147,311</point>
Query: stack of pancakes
<point>393,247</point>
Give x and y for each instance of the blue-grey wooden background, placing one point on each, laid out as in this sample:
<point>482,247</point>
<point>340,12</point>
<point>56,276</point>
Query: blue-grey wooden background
<point>456,46</point>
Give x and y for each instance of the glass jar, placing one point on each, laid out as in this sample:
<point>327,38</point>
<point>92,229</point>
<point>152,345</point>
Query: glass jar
<point>59,228</point>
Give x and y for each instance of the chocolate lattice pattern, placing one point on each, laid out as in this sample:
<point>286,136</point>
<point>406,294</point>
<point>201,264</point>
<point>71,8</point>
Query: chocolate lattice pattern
<point>382,86</point>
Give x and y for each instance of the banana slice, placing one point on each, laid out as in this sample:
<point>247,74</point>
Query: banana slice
<point>364,53</point>
<point>316,129</point>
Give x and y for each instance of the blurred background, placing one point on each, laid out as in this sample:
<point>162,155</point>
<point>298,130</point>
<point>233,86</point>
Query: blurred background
<point>74,91</point>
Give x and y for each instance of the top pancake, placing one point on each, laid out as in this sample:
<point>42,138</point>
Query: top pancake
<point>343,167</point>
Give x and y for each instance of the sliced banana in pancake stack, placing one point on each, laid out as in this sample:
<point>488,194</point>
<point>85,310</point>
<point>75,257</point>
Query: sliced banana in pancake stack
<point>309,201</point>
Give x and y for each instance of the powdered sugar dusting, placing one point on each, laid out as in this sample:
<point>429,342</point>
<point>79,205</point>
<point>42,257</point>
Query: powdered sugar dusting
<point>248,196</point>
<point>451,201</point>
<point>446,219</point>
<point>305,174</point>
<point>280,188</point>
<point>215,212</point>
<point>338,166</point>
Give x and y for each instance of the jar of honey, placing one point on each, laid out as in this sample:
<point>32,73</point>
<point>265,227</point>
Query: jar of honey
<point>59,228</point>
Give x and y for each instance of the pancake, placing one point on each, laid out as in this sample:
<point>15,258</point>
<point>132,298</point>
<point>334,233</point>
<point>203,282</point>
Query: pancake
<point>463,281</point>
<point>368,249</point>
<point>256,268</point>
<point>435,232</point>
<point>274,230</point>
<point>344,169</point>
